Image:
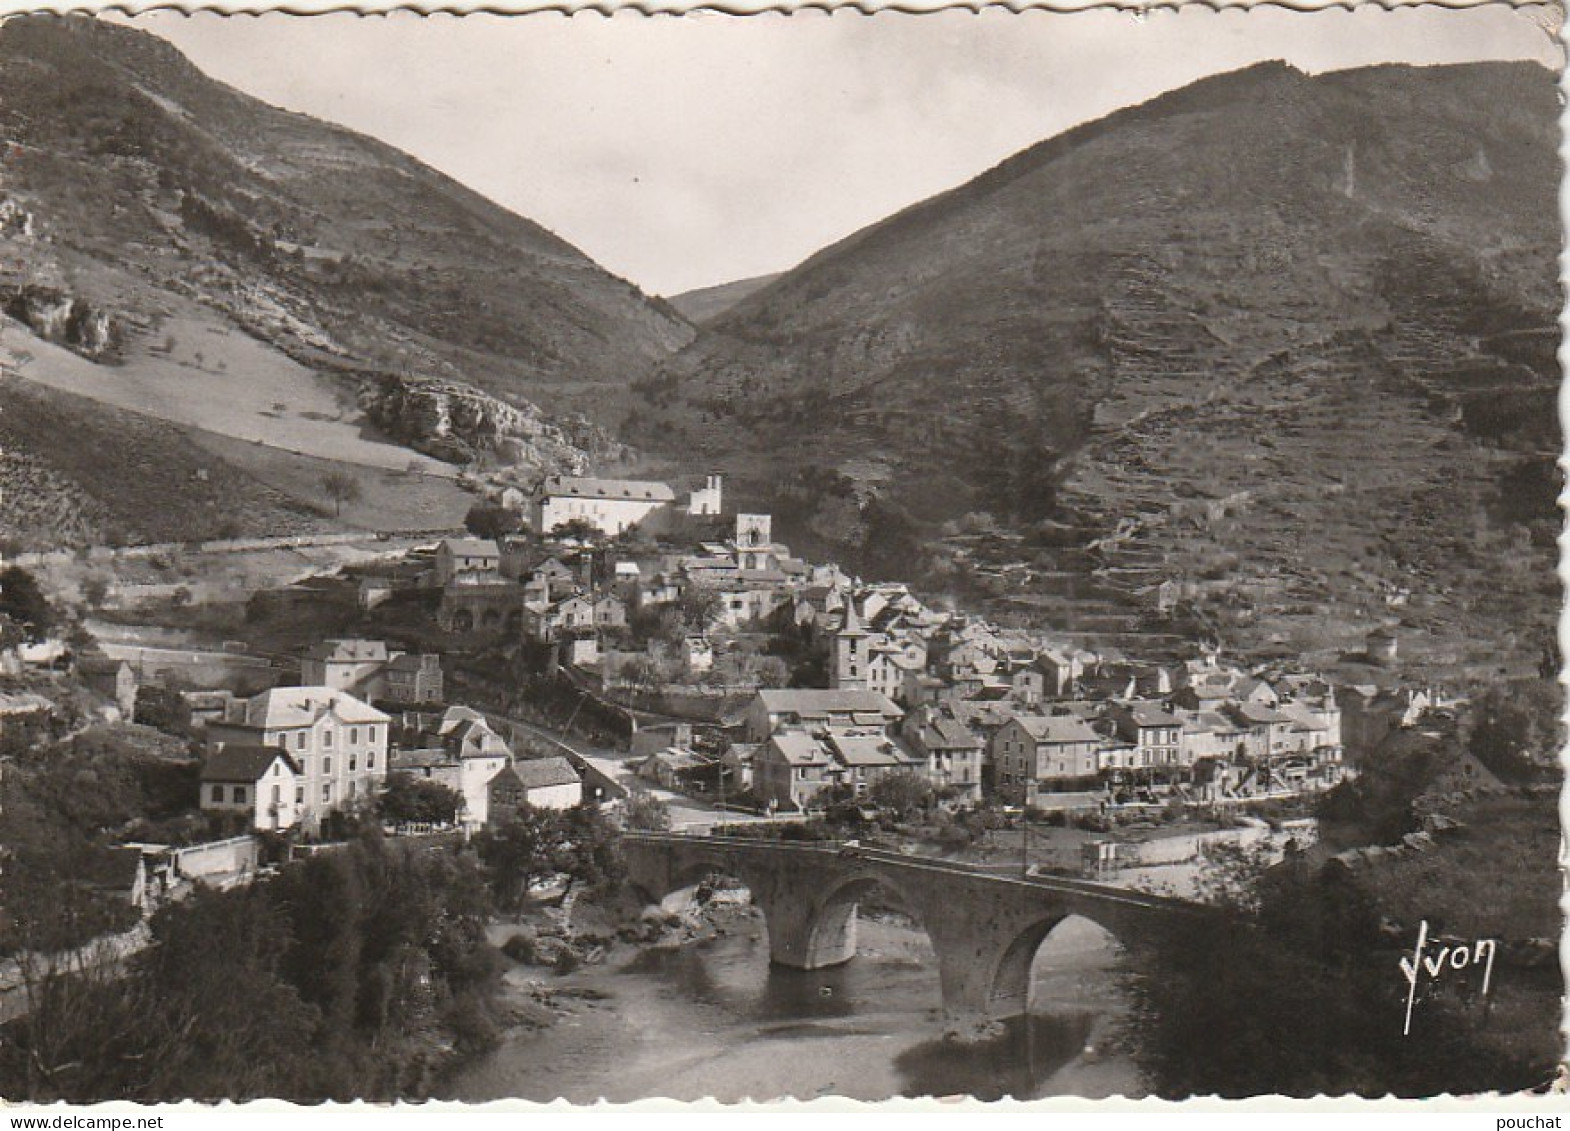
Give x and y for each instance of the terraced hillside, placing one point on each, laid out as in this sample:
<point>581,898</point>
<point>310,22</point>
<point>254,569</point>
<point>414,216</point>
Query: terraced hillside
<point>1286,342</point>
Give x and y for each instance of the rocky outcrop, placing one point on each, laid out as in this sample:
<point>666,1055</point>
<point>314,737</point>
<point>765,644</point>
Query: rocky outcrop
<point>69,320</point>
<point>458,423</point>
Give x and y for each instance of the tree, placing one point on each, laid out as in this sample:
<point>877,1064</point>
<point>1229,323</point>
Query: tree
<point>492,520</point>
<point>699,606</point>
<point>163,708</point>
<point>902,792</point>
<point>95,591</point>
<point>641,672</point>
<point>534,845</point>
<point>24,602</point>
<point>519,852</point>
<point>577,530</point>
<point>340,487</point>
<point>1304,951</point>
<point>1515,727</point>
<point>411,800</point>
<point>642,810</point>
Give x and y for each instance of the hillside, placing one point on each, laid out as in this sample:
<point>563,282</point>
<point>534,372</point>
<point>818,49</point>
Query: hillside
<point>289,282</point>
<point>707,303</point>
<point>1285,341</point>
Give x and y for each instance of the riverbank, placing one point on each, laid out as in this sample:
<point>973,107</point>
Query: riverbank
<point>702,1013</point>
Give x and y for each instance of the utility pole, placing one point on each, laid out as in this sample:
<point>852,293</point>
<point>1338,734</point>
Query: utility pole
<point>1024,840</point>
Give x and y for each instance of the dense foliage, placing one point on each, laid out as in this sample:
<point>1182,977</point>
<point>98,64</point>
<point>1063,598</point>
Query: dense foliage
<point>334,980</point>
<point>24,602</point>
<point>411,800</point>
<point>537,845</point>
<point>1292,988</point>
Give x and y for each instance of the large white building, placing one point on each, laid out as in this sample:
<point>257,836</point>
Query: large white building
<point>338,743</point>
<point>608,505</point>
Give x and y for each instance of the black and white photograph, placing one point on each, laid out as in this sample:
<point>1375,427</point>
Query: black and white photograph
<point>853,556</point>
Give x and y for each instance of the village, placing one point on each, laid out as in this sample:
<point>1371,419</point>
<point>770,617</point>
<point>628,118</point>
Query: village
<point>718,679</point>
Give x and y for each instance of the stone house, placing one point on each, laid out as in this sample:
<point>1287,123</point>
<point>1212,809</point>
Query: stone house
<point>1034,754</point>
<point>773,709</point>
<point>953,755</point>
<point>541,783</point>
<point>415,679</point>
<point>610,506</point>
<point>1155,732</point>
<point>467,561</point>
<point>355,666</point>
<point>864,756</point>
<point>114,679</point>
<point>791,770</point>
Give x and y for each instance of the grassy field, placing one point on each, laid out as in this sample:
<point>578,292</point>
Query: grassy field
<point>391,499</point>
<point>76,472</point>
<point>198,371</point>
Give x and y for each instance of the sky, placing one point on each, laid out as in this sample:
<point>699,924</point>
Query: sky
<point>682,152</point>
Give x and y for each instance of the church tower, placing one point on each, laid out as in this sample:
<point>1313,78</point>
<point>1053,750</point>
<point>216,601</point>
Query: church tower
<point>850,651</point>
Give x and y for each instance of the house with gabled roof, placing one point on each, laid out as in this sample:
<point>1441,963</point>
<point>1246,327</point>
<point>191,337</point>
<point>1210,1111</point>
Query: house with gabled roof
<point>355,666</point>
<point>467,561</point>
<point>791,769</point>
<point>774,709</point>
<point>260,781</point>
<point>952,752</point>
<point>338,742</point>
<point>1035,754</point>
<point>540,783</point>
<point>1153,729</point>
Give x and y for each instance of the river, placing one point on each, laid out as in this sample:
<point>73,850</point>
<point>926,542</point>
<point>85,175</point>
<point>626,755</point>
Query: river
<point>714,1018</point>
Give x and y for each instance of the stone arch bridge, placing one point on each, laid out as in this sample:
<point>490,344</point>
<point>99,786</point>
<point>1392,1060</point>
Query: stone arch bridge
<point>985,929</point>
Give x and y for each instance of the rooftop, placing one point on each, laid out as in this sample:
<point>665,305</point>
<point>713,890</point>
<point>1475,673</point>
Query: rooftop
<point>640,490</point>
<point>817,701</point>
<point>302,706</point>
<point>243,763</point>
<point>1057,728</point>
<point>540,773</point>
<point>472,547</point>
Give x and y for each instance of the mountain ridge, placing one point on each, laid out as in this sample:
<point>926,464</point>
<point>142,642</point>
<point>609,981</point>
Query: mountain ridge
<point>1180,304</point>
<point>151,216</point>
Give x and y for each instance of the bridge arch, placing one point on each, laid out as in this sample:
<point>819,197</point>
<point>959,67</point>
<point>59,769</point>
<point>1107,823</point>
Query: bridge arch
<point>689,873</point>
<point>1011,978</point>
<point>831,926</point>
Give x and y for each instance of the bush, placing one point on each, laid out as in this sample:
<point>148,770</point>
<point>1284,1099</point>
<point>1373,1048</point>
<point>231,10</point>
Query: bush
<point>520,948</point>
<point>473,1027</point>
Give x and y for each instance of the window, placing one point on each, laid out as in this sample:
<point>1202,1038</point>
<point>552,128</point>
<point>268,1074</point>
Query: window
<point>327,765</point>
<point>299,795</point>
<point>327,737</point>
<point>277,794</point>
<point>218,794</point>
<point>352,761</point>
<point>354,737</point>
<point>370,761</point>
<point>327,791</point>
<point>299,741</point>
<point>239,795</point>
<point>371,737</point>
<point>351,789</point>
